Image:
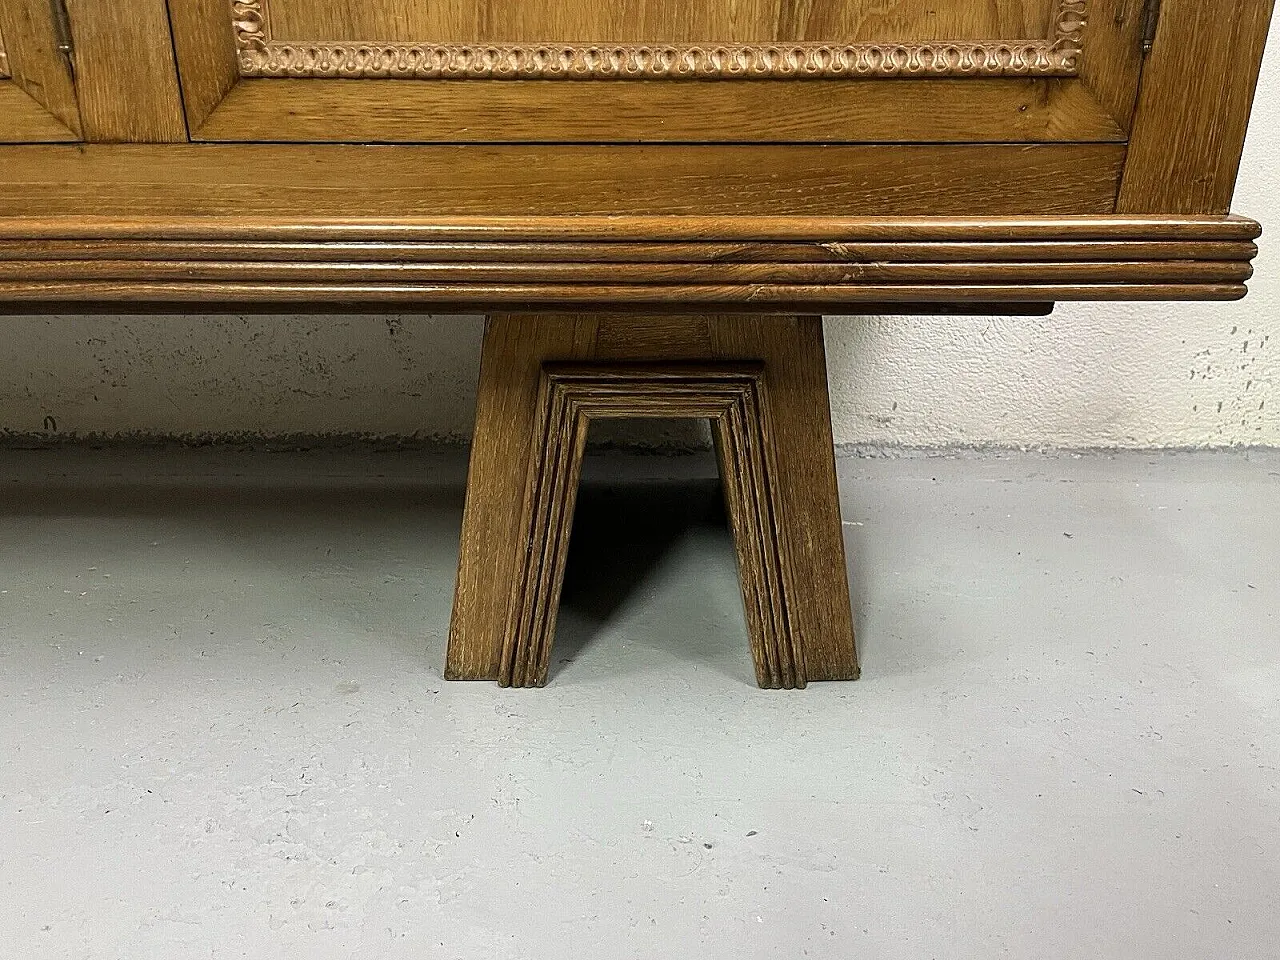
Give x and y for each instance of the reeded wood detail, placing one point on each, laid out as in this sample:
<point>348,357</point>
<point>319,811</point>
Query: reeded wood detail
<point>757,264</point>
<point>731,396</point>
<point>262,56</point>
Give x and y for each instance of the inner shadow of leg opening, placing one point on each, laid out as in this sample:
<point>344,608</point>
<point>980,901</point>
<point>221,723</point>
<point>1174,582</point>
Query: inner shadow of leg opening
<point>634,535</point>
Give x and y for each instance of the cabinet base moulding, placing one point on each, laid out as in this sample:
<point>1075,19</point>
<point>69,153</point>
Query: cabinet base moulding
<point>665,264</point>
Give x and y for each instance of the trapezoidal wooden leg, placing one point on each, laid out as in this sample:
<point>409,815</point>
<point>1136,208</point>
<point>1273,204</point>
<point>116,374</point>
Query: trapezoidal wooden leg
<point>762,383</point>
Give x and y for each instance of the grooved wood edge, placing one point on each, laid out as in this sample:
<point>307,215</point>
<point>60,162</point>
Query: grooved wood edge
<point>735,262</point>
<point>439,253</point>
<point>849,273</point>
<point>262,56</point>
<point>609,229</point>
<point>678,298</point>
<point>732,397</point>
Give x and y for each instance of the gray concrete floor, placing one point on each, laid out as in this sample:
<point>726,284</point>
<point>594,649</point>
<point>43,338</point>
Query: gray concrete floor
<point>223,731</point>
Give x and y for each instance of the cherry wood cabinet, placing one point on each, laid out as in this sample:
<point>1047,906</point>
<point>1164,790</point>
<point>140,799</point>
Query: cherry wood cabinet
<point>653,199</point>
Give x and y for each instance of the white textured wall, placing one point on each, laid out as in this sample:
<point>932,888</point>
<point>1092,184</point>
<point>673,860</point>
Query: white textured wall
<point>1091,375</point>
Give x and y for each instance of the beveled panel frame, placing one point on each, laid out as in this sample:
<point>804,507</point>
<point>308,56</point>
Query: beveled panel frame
<point>37,91</point>
<point>260,55</point>
<point>1086,95</point>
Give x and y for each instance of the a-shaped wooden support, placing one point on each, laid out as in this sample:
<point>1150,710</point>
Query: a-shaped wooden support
<point>762,383</point>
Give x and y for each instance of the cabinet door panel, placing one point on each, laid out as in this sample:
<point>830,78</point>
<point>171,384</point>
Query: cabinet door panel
<point>659,70</point>
<point>37,93</point>
<point>651,21</point>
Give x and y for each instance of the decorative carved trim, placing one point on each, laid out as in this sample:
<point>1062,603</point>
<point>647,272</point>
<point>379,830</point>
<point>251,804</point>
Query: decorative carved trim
<point>261,56</point>
<point>4,62</point>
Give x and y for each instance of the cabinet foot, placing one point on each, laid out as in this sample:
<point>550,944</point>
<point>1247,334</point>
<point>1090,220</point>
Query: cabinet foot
<point>761,381</point>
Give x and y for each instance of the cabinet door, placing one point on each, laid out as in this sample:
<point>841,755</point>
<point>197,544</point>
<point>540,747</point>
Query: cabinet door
<point>37,92</point>
<point>608,71</point>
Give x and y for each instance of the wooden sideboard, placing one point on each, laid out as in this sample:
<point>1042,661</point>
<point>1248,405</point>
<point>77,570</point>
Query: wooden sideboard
<point>654,200</point>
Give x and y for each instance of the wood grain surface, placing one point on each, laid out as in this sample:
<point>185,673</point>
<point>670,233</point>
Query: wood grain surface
<point>812,111</point>
<point>24,119</point>
<point>772,418</point>
<point>38,70</point>
<point>656,21</point>
<point>824,233</point>
<point>1000,72</point>
<point>659,262</point>
<point>126,79</point>
<point>473,228</point>
<point>204,46</point>
<point>307,182</point>
<point>1193,112</point>
<point>671,298</point>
